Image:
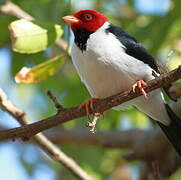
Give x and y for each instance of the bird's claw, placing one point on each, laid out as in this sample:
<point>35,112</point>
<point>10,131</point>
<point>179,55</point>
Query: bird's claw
<point>140,85</point>
<point>89,105</point>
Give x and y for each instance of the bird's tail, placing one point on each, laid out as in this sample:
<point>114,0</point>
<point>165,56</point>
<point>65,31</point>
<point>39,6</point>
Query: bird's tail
<point>173,130</point>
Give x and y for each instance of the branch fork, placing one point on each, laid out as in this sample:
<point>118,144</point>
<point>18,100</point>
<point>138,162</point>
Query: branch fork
<point>58,106</point>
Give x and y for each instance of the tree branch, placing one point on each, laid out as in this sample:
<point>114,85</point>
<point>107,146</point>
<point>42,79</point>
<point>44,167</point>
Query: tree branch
<point>147,146</point>
<point>42,141</point>
<point>12,9</point>
<point>142,142</point>
<point>68,114</point>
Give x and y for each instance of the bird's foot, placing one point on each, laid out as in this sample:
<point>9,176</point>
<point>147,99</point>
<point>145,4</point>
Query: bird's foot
<point>140,85</point>
<point>89,105</point>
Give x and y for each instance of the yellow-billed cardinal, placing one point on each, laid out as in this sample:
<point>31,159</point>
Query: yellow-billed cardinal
<point>109,60</point>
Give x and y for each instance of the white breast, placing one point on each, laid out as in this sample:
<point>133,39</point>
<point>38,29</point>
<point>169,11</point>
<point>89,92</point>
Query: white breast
<point>104,67</point>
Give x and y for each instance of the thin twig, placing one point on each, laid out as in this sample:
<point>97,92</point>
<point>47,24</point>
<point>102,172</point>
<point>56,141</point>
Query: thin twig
<point>42,141</point>
<point>161,69</point>
<point>55,101</point>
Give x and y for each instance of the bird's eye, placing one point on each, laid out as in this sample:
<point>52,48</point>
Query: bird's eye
<point>88,17</point>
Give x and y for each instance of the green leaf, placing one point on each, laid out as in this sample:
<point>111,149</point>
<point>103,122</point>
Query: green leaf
<point>40,72</point>
<point>31,37</point>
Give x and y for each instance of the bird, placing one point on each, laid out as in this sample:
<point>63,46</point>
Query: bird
<point>109,60</point>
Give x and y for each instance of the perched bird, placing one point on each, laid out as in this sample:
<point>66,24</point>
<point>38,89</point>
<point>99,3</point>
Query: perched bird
<point>109,60</point>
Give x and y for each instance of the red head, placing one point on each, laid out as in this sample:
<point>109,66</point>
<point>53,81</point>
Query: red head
<point>86,19</point>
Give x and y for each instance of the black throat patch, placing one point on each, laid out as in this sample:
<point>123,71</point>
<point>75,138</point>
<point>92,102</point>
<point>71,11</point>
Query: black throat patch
<point>81,37</point>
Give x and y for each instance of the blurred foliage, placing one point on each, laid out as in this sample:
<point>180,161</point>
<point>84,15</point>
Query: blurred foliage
<point>157,33</point>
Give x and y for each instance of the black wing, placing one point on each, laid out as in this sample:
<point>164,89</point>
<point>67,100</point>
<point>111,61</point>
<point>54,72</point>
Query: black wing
<point>133,47</point>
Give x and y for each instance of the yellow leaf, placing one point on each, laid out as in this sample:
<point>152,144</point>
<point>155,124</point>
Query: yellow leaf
<point>40,72</point>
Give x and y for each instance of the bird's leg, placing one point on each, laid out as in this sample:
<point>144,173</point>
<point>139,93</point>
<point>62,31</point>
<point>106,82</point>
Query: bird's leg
<point>89,105</point>
<point>140,85</point>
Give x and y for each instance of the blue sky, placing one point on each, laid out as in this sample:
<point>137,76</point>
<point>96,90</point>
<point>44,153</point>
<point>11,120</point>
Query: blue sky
<point>152,7</point>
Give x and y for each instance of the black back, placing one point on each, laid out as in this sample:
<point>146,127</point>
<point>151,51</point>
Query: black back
<point>133,47</point>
